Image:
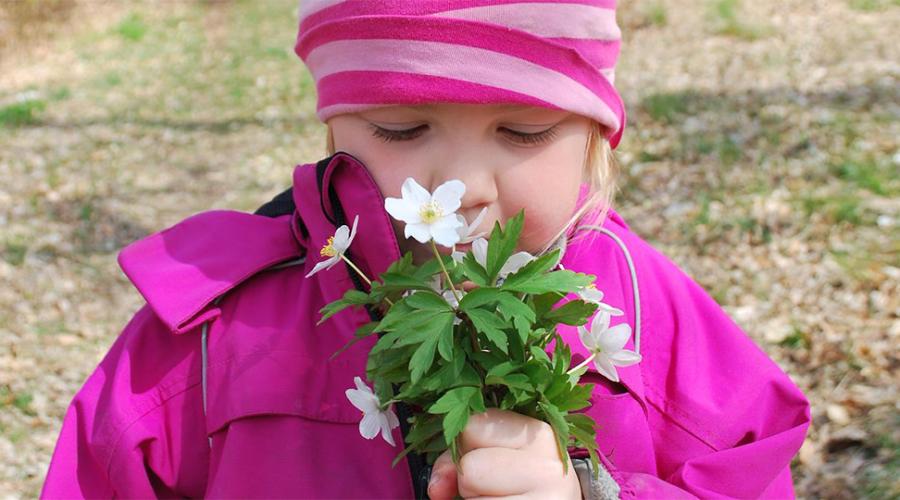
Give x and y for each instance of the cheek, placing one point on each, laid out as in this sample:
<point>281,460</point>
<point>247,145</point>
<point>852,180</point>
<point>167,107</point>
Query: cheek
<point>549,196</point>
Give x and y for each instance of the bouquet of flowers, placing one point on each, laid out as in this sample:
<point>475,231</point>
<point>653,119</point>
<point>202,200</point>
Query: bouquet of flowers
<point>448,350</point>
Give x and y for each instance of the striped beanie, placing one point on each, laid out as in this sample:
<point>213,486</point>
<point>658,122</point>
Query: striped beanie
<point>558,54</point>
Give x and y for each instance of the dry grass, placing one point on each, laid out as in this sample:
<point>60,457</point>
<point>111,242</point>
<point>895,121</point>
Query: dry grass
<point>761,155</point>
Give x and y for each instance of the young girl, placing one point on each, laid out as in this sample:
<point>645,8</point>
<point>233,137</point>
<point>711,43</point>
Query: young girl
<point>222,385</point>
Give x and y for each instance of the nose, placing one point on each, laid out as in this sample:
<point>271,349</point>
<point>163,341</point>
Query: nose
<point>479,178</point>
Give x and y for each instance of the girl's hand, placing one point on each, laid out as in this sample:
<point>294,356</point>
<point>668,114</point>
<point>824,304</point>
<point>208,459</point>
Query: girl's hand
<point>504,454</point>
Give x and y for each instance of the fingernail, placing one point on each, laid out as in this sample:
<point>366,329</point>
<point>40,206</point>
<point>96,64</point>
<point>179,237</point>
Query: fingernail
<point>435,479</point>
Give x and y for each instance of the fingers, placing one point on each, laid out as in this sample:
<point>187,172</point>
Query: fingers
<point>506,471</point>
<point>506,429</point>
<point>442,485</point>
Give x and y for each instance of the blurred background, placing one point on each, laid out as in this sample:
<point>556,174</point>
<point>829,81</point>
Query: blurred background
<point>761,155</point>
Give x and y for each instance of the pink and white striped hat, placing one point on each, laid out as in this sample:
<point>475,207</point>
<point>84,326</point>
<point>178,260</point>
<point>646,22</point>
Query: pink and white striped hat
<point>556,54</point>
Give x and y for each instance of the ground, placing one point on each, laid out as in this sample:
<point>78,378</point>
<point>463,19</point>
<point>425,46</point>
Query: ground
<point>761,155</point>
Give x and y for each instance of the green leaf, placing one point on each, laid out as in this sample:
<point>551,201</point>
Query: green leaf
<point>397,313</point>
<point>428,301</point>
<point>578,397</point>
<point>394,282</point>
<point>502,369</point>
<point>479,297</point>
<point>502,244</point>
<point>557,420</point>
<point>513,380</point>
<point>512,307</point>
<point>455,404</point>
<point>540,354</point>
<point>575,313</point>
<point>537,266</point>
<point>427,326</point>
<point>421,360</point>
<point>445,338</point>
<point>350,298</point>
<point>360,333</point>
<point>474,272</point>
<point>453,398</point>
<point>557,281</point>
<point>491,326</point>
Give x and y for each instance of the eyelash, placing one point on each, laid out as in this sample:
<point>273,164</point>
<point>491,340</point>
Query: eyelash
<point>407,135</point>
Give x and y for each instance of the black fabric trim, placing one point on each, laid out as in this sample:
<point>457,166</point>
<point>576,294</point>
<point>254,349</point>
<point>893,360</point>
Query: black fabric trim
<point>419,470</point>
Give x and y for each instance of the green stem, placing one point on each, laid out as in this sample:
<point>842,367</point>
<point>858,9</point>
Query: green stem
<point>444,269</point>
<point>582,364</point>
<point>363,276</point>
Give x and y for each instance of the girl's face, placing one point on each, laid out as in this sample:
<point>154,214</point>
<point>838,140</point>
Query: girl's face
<point>510,157</point>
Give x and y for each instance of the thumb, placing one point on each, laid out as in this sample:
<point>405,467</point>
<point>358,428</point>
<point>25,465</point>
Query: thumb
<point>442,485</point>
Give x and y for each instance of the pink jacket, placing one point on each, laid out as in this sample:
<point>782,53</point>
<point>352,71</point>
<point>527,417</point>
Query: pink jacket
<point>221,385</point>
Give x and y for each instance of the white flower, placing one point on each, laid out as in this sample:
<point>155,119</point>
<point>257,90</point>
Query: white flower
<point>335,247</point>
<point>465,231</point>
<point>428,216</point>
<point>513,264</point>
<point>374,419</point>
<point>606,344</point>
<point>591,294</point>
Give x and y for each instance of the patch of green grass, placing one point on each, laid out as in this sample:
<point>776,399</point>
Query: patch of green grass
<point>656,13</point>
<point>840,208</point>
<point>666,107</point>
<point>728,150</point>
<point>702,216</point>
<point>867,173</point>
<point>872,5</point>
<point>23,112</point>
<point>132,27</point>
<point>727,20</point>
<point>14,253</point>
<point>112,79</point>
<point>60,94</point>
<point>21,400</point>
<point>646,157</point>
<point>797,339</point>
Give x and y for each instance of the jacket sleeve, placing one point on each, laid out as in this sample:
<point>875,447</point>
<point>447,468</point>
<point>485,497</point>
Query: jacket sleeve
<point>135,429</point>
<point>725,420</point>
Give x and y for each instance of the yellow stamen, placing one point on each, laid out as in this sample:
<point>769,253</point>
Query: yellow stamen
<point>328,250</point>
<point>430,212</point>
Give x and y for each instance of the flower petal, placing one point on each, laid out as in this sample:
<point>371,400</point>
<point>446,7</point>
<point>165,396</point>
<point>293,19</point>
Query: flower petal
<point>478,219</point>
<point>353,231</point>
<point>402,210</point>
<point>386,429</point>
<point>392,419</point>
<point>325,264</point>
<point>419,231</point>
<point>588,339</point>
<point>479,250</point>
<point>600,322</point>
<point>591,295</point>
<point>449,195</point>
<point>625,358</point>
<point>413,193</point>
<point>360,385</point>
<point>365,402</point>
<point>445,236</point>
<point>615,338</point>
<point>515,262</point>
<point>369,425</point>
<point>341,239</point>
<point>612,311</point>
<point>458,257</point>
<point>606,368</point>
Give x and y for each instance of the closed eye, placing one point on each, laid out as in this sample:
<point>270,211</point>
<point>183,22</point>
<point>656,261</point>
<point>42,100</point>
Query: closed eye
<point>388,135</point>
